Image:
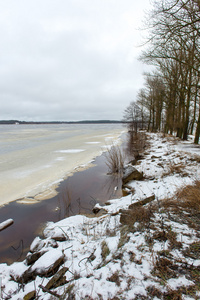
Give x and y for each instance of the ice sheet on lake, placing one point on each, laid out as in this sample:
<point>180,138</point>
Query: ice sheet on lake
<point>34,157</point>
<point>70,151</point>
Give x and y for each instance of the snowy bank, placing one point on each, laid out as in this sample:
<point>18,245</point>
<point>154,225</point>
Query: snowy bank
<point>152,253</point>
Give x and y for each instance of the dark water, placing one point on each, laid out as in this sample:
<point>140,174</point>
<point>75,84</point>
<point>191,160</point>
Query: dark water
<point>76,195</point>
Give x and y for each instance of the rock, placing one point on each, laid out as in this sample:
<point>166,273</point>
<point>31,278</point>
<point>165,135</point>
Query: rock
<point>37,244</point>
<point>131,173</point>
<point>57,279</point>
<point>154,157</point>
<point>107,202</point>
<point>133,162</point>
<point>99,210</point>
<point>126,192</point>
<point>48,263</point>
<point>30,296</point>
<point>31,258</point>
<point>96,209</point>
<point>160,165</point>
<point>142,202</point>
<point>56,233</point>
<point>51,243</point>
<point>59,237</point>
<point>60,282</point>
<point>27,276</point>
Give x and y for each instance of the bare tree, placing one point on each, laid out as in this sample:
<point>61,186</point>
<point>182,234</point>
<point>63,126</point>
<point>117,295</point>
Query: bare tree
<point>174,48</point>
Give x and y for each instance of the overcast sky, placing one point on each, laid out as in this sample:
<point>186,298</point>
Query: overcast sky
<point>69,60</point>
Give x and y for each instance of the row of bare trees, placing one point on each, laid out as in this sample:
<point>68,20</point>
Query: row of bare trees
<point>170,99</point>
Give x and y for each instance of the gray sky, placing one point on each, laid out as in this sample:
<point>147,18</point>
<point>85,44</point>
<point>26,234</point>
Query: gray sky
<point>69,59</point>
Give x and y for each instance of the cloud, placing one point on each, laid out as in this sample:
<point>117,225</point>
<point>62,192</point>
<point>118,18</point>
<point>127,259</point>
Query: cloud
<point>69,60</point>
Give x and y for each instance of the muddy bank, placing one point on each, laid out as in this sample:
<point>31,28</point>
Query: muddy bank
<point>76,195</point>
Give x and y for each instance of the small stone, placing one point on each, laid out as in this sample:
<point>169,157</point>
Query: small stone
<point>30,296</point>
<point>37,244</point>
<point>59,236</point>
<point>96,210</point>
<point>154,157</point>
<point>126,192</point>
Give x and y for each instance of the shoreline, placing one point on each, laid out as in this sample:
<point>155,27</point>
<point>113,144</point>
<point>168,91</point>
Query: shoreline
<point>53,162</point>
<point>146,243</point>
<point>76,194</point>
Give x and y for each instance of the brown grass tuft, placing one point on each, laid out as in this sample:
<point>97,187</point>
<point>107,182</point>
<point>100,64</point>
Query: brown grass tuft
<point>115,278</point>
<point>190,196</point>
<point>139,214</point>
<point>114,159</point>
<point>105,251</point>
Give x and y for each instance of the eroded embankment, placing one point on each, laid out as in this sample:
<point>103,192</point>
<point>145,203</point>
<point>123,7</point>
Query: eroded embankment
<point>77,194</point>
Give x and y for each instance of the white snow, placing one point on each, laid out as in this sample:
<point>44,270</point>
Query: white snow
<point>46,260</point>
<point>104,259</point>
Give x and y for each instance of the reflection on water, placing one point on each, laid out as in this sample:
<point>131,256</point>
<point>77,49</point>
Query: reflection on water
<point>76,195</point>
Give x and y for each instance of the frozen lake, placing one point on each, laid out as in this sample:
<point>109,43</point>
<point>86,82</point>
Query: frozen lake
<point>35,158</point>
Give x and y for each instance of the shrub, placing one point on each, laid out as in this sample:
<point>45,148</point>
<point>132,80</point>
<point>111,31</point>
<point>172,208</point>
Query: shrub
<point>114,159</point>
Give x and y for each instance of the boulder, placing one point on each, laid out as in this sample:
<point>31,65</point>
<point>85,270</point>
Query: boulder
<point>131,173</point>
<point>32,257</point>
<point>48,263</point>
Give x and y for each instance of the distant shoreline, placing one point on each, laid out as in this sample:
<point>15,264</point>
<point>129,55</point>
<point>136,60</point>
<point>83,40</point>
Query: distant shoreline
<point>16,122</point>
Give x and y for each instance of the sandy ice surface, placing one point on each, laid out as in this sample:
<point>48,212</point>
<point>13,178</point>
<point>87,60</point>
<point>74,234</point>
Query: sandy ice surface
<point>35,158</point>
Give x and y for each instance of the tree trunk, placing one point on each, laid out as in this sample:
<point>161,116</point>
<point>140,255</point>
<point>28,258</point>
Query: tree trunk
<point>197,133</point>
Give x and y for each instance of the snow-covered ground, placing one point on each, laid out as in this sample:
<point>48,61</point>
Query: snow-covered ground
<point>153,254</point>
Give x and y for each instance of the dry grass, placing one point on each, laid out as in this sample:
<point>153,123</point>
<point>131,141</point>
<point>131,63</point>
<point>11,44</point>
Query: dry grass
<point>137,144</point>
<point>164,269</point>
<point>140,215</point>
<point>114,159</point>
<point>175,169</point>
<point>189,197</point>
<point>115,278</point>
<point>193,251</point>
<point>183,208</point>
<point>105,251</point>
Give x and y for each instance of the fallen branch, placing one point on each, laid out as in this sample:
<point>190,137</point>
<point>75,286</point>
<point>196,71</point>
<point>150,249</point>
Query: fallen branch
<point>45,290</point>
<point>6,224</point>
